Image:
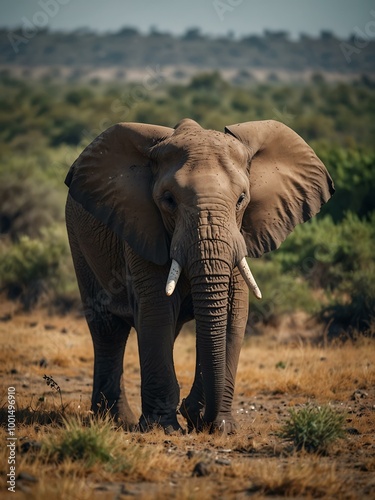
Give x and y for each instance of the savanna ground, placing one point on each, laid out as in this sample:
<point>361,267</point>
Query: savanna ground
<point>280,370</point>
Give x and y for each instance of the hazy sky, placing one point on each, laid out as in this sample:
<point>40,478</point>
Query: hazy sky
<point>212,16</point>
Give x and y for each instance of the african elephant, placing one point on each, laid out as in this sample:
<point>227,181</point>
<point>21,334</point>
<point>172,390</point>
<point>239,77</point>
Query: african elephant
<point>160,221</point>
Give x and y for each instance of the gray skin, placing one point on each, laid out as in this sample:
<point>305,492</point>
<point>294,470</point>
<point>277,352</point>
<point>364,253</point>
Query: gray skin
<point>141,195</point>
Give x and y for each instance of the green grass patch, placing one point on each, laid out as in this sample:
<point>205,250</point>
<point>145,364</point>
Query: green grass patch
<point>313,428</point>
<point>98,441</point>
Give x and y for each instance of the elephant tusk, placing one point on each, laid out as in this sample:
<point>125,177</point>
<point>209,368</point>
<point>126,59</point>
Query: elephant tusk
<point>173,276</point>
<point>247,275</point>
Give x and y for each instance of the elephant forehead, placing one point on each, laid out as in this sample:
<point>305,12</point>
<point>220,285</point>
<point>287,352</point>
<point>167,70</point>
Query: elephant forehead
<point>215,180</point>
<point>202,147</point>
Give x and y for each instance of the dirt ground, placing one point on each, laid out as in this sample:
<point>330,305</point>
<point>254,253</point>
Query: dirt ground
<point>282,369</point>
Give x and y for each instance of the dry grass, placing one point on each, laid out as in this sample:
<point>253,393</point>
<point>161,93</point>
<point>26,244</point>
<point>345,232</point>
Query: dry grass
<point>272,378</point>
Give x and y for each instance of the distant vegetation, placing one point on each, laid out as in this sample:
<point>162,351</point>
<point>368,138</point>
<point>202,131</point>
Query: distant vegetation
<point>129,48</point>
<point>326,267</point>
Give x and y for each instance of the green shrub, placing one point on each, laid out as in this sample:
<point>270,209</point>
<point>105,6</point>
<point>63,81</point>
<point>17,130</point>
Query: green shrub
<point>208,82</point>
<point>69,131</point>
<point>313,428</point>
<point>354,308</point>
<point>97,442</point>
<point>353,172</point>
<point>77,96</point>
<point>36,269</point>
<point>337,258</point>
<point>283,293</point>
<point>308,251</point>
<point>27,206</point>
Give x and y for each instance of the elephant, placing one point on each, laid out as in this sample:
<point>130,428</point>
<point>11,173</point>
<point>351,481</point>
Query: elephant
<point>160,221</point>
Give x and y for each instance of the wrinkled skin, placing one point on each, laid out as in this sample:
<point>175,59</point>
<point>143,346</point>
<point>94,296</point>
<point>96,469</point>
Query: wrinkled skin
<point>142,195</point>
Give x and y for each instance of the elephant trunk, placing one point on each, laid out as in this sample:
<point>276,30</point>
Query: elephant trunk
<point>208,264</point>
<point>209,279</point>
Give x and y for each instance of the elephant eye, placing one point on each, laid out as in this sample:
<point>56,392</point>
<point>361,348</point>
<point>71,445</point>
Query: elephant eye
<point>168,201</point>
<point>240,201</point>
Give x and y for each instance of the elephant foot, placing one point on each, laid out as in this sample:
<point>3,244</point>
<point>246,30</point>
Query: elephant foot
<point>169,424</point>
<point>224,424</point>
<point>192,412</point>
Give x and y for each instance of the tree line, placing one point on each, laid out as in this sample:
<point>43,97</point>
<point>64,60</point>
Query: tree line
<point>32,45</point>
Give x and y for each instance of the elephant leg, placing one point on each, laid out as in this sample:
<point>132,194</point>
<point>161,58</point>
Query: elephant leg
<point>237,318</point>
<point>160,392</point>
<point>109,339</point>
<point>192,406</point>
<point>155,321</point>
<point>109,335</point>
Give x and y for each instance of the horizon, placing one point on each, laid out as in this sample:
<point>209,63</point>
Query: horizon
<point>82,30</point>
<point>217,18</point>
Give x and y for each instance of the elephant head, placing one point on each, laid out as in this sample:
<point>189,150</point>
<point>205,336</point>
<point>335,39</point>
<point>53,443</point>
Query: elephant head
<point>200,201</point>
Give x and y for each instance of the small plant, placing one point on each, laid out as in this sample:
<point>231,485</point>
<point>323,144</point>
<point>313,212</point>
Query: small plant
<point>313,428</point>
<point>281,365</point>
<point>54,386</point>
<point>96,442</point>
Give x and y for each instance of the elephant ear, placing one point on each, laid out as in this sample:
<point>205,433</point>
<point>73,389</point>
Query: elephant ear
<point>288,183</point>
<point>112,179</point>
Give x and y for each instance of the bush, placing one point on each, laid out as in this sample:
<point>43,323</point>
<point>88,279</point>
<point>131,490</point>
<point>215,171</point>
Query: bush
<point>283,293</point>
<point>321,258</point>
<point>208,82</point>
<point>354,309</point>
<point>33,269</point>
<point>27,206</point>
<point>353,171</point>
<point>339,259</point>
<point>308,252</point>
<point>313,428</point>
<point>69,131</point>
